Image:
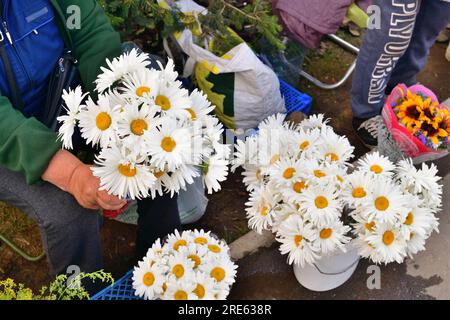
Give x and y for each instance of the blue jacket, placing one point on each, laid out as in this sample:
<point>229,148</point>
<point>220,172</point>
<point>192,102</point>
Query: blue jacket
<point>35,49</point>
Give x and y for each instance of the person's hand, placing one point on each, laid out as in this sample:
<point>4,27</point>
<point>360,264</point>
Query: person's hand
<point>84,186</point>
<point>68,173</point>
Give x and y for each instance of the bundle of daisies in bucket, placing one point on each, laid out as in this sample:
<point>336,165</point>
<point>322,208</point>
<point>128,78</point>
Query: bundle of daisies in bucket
<point>393,207</point>
<point>417,123</point>
<point>154,136</point>
<point>193,265</point>
<point>295,175</point>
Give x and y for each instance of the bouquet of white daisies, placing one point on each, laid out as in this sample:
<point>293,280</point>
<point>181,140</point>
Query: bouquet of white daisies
<point>295,175</point>
<point>193,265</point>
<point>154,136</point>
<point>394,207</point>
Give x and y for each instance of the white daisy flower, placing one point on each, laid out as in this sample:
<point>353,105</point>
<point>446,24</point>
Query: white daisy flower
<point>148,280</point>
<point>122,174</point>
<point>321,204</point>
<point>385,203</point>
<point>98,122</point>
<point>366,250</point>
<point>201,237</point>
<point>205,287</point>
<point>376,164</point>
<point>196,253</point>
<point>273,122</point>
<point>419,221</point>
<point>134,123</point>
<point>221,270</point>
<point>260,208</point>
<point>177,240</point>
<point>389,243</point>
<point>168,73</point>
<point>142,85</point>
<point>72,105</point>
<point>120,66</point>
<point>356,188</point>
<point>285,172</point>
<point>200,106</point>
<point>297,240</point>
<point>170,145</point>
<point>304,143</point>
<point>173,100</point>
<point>214,172</point>
<point>314,121</point>
<point>177,180</point>
<point>415,244</point>
<point>180,290</point>
<point>332,236</point>
<point>335,148</point>
<point>180,265</point>
<point>246,153</point>
<point>293,191</point>
<point>253,177</point>
<point>282,213</point>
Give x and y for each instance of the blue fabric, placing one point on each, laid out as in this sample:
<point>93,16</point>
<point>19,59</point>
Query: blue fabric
<point>37,46</point>
<point>397,51</point>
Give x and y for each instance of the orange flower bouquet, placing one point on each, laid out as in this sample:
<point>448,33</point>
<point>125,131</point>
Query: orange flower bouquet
<point>417,123</point>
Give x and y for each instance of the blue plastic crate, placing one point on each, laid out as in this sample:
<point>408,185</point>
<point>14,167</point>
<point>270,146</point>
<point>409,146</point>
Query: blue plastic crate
<point>295,100</point>
<point>122,289</point>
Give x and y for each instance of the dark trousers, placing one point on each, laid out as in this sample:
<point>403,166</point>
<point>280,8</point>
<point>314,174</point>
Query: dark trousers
<point>71,234</point>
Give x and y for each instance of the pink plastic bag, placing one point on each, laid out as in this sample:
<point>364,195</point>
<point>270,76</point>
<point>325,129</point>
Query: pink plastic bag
<point>410,145</point>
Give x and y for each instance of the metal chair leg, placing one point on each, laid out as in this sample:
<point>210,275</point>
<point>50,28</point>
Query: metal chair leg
<point>20,252</point>
<point>344,44</point>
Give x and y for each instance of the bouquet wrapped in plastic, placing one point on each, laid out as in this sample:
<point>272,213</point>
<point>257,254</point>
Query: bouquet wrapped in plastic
<point>417,126</point>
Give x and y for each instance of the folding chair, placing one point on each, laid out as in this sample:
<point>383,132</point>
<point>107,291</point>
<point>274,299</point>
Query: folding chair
<point>354,14</point>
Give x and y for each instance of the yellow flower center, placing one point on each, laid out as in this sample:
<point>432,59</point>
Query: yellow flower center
<point>218,273</point>
<point>214,248</point>
<point>103,121</point>
<point>192,113</point>
<point>178,270</point>
<point>339,178</point>
<point>319,174</point>
<point>304,145</point>
<point>158,174</point>
<point>140,91</point>
<point>369,226</point>
<point>164,287</point>
<point>299,186</point>
<point>163,102</point>
<point>179,243</point>
<point>359,192</point>
<point>288,173</point>
<point>138,126</point>
<point>321,202</point>
<point>258,175</point>
<point>180,295</point>
<point>196,260</point>
<point>409,219</point>
<point>200,240</point>
<point>264,211</point>
<point>200,291</point>
<point>297,240</point>
<point>382,203</point>
<point>376,169</point>
<point>275,159</point>
<point>388,237</point>
<point>326,233</point>
<point>148,279</point>
<point>332,156</point>
<point>168,144</point>
<point>127,171</point>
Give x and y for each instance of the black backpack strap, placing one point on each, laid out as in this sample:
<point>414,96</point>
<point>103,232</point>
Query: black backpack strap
<point>16,97</point>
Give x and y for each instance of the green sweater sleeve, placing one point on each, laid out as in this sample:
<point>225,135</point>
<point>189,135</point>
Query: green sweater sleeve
<point>94,41</point>
<point>26,145</point>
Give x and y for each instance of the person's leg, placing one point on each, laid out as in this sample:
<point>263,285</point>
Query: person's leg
<point>157,218</point>
<point>433,17</point>
<point>379,53</point>
<point>70,234</point>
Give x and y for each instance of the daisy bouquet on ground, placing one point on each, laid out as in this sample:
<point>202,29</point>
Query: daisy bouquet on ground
<point>394,207</point>
<point>154,136</point>
<point>295,175</point>
<point>193,265</point>
<point>416,122</point>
